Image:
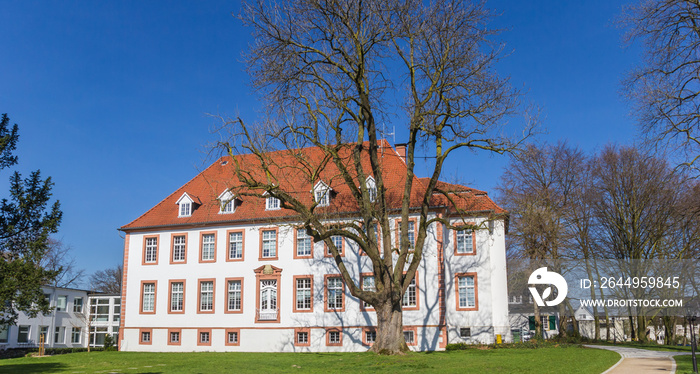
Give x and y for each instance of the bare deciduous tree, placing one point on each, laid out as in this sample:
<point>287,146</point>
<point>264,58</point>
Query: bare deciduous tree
<point>665,88</point>
<point>331,73</point>
<point>636,202</point>
<point>621,204</point>
<point>108,280</point>
<point>539,190</point>
<point>58,259</point>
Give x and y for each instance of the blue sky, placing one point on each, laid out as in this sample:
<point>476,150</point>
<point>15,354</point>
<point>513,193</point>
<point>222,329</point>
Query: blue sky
<point>112,96</point>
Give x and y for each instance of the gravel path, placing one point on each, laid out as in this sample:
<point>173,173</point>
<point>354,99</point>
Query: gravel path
<point>641,361</point>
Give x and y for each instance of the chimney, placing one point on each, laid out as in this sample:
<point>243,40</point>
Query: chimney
<point>401,150</point>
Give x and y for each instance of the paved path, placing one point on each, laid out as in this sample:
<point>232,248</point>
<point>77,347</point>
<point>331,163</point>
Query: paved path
<point>640,361</point>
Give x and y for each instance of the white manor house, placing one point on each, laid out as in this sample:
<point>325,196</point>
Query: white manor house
<point>208,271</point>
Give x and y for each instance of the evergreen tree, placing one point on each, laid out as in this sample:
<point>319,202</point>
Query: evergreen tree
<point>26,221</point>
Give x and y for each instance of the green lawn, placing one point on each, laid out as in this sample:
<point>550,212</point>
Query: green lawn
<point>685,364</point>
<point>540,361</point>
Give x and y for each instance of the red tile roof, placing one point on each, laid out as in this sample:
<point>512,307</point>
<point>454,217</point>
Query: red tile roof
<point>292,177</point>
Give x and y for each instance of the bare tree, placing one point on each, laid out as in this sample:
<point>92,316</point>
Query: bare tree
<point>108,280</point>
<point>538,189</point>
<point>635,201</point>
<point>84,322</point>
<point>331,73</point>
<point>665,88</point>
<point>58,258</point>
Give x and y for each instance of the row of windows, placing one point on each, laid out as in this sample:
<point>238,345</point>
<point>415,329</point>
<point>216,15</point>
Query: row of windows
<point>233,293</point>
<point>303,245</point>
<point>99,307</point>
<point>62,303</point>
<point>203,336</point>
<point>334,336</point>
<point>268,296</point>
<point>24,334</point>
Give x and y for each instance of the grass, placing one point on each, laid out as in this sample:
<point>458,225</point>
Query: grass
<point>570,359</point>
<point>684,364</point>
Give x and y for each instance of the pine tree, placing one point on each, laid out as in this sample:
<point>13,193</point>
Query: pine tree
<point>26,221</point>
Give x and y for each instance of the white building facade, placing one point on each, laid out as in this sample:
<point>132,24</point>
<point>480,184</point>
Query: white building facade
<point>203,275</point>
<point>67,326</point>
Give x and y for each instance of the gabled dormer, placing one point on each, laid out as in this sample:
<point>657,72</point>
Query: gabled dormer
<point>371,188</point>
<point>271,203</point>
<point>186,205</point>
<point>227,202</point>
<point>322,194</point>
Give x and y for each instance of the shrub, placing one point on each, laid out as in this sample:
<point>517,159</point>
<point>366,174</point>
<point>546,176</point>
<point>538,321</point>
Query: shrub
<point>109,342</point>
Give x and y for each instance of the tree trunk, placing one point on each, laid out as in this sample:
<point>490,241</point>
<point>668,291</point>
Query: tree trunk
<point>390,340</point>
<point>642,329</point>
<point>538,323</point>
<point>633,330</point>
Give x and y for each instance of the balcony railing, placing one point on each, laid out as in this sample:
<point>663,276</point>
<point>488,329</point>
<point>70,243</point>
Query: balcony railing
<point>267,314</point>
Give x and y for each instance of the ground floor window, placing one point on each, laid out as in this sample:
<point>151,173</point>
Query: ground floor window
<point>302,338</point>
<point>23,334</point>
<point>75,335</point>
<point>334,337</point>
<point>409,337</point>
<point>370,336</point>
<point>204,337</point>
<point>174,336</point>
<point>233,336</point>
<point>44,334</point>
<point>465,332</point>
<point>4,333</point>
<point>59,336</point>
<point>145,336</point>
<point>97,336</point>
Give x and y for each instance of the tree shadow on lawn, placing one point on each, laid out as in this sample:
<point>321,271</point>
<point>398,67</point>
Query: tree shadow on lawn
<point>39,367</point>
<point>48,367</point>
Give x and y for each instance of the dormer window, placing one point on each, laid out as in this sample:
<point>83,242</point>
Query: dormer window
<point>186,205</point>
<point>272,203</point>
<point>322,197</point>
<point>371,189</point>
<point>227,203</point>
<point>322,194</point>
<point>185,209</point>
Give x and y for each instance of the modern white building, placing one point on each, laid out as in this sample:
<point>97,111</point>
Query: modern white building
<point>105,317</point>
<point>68,325</point>
<point>208,271</point>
